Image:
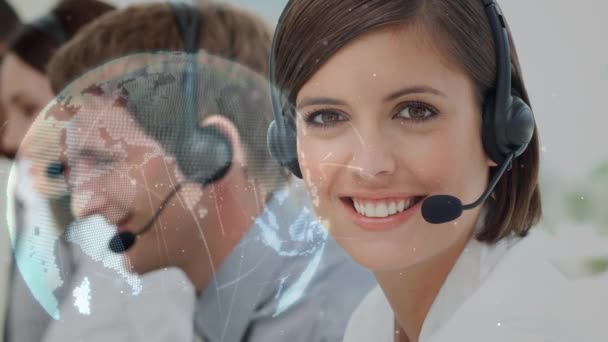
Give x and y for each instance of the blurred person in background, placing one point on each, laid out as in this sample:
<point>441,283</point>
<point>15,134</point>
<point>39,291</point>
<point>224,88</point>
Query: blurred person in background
<point>25,90</point>
<point>9,21</point>
<point>262,267</point>
<point>51,272</point>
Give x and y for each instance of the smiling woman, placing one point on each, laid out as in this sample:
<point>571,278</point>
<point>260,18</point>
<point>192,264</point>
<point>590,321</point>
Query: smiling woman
<point>392,102</point>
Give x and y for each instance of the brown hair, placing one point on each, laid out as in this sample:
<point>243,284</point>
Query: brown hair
<point>9,20</point>
<point>312,31</point>
<point>36,42</point>
<point>225,31</point>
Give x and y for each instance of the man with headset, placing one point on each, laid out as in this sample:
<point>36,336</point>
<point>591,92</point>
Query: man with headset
<point>206,197</point>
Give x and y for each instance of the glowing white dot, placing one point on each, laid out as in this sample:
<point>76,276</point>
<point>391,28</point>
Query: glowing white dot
<point>544,148</point>
<point>498,324</point>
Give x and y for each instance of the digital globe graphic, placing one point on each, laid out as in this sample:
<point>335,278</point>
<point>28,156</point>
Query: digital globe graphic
<point>75,180</point>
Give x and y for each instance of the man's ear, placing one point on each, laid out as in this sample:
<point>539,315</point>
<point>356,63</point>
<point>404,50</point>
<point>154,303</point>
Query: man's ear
<point>490,162</point>
<point>231,132</point>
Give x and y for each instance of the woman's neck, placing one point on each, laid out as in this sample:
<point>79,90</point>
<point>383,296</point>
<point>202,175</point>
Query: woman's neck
<point>412,291</point>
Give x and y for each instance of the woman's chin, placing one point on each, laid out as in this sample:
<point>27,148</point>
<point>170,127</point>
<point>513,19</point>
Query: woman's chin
<point>383,255</point>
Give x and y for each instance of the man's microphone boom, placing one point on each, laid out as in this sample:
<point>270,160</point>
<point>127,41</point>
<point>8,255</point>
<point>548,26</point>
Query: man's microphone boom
<point>121,242</point>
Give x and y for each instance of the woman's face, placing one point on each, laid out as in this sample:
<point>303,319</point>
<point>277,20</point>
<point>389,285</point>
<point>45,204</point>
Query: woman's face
<point>383,124</point>
<point>25,92</point>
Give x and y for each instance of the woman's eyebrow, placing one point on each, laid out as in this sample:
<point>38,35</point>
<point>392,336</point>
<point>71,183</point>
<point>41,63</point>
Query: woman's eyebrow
<point>315,101</point>
<point>415,89</point>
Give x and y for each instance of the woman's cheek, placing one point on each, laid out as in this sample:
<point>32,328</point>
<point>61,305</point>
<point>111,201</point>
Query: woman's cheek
<point>431,163</point>
<point>310,174</point>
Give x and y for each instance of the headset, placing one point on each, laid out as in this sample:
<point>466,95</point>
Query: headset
<point>51,26</point>
<point>203,154</point>
<point>508,123</point>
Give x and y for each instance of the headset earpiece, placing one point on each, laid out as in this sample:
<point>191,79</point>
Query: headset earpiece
<point>200,149</point>
<point>283,148</point>
<point>508,122</point>
<point>512,134</point>
<point>204,147</point>
<point>520,127</point>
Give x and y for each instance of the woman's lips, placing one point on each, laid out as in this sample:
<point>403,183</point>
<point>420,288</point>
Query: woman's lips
<point>380,224</point>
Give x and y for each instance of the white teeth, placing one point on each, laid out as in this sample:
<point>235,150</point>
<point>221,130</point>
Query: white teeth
<point>401,205</point>
<point>392,208</point>
<point>381,209</point>
<point>369,210</point>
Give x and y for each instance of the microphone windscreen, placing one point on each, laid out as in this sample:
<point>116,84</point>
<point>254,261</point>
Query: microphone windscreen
<point>441,209</point>
<point>120,243</point>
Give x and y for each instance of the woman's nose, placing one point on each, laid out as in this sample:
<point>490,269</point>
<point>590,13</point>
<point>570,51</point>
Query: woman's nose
<point>374,159</point>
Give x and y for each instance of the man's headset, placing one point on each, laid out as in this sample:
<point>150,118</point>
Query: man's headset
<point>52,27</point>
<point>508,123</point>
<point>203,154</point>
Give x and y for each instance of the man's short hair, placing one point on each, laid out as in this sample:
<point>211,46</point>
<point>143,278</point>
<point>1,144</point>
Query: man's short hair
<point>9,20</point>
<point>227,32</point>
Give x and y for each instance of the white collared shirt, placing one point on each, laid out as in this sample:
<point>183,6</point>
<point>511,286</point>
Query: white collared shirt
<point>509,291</point>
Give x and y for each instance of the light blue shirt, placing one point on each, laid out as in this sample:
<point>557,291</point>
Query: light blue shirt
<point>286,280</point>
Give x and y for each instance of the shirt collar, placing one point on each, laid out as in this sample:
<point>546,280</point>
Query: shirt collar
<point>470,270</point>
<point>226,307</point>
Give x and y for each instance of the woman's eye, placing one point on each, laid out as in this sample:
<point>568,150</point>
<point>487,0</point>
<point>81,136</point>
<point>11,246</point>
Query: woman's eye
<point>417,112</point>
<point>325,118</point>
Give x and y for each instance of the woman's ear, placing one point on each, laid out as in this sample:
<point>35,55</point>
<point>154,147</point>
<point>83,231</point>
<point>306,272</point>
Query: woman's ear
<point>231,132</point>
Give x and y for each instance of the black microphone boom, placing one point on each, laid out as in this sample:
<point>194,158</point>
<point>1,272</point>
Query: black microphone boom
<point>121,242</point>
<point>445,208</point>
